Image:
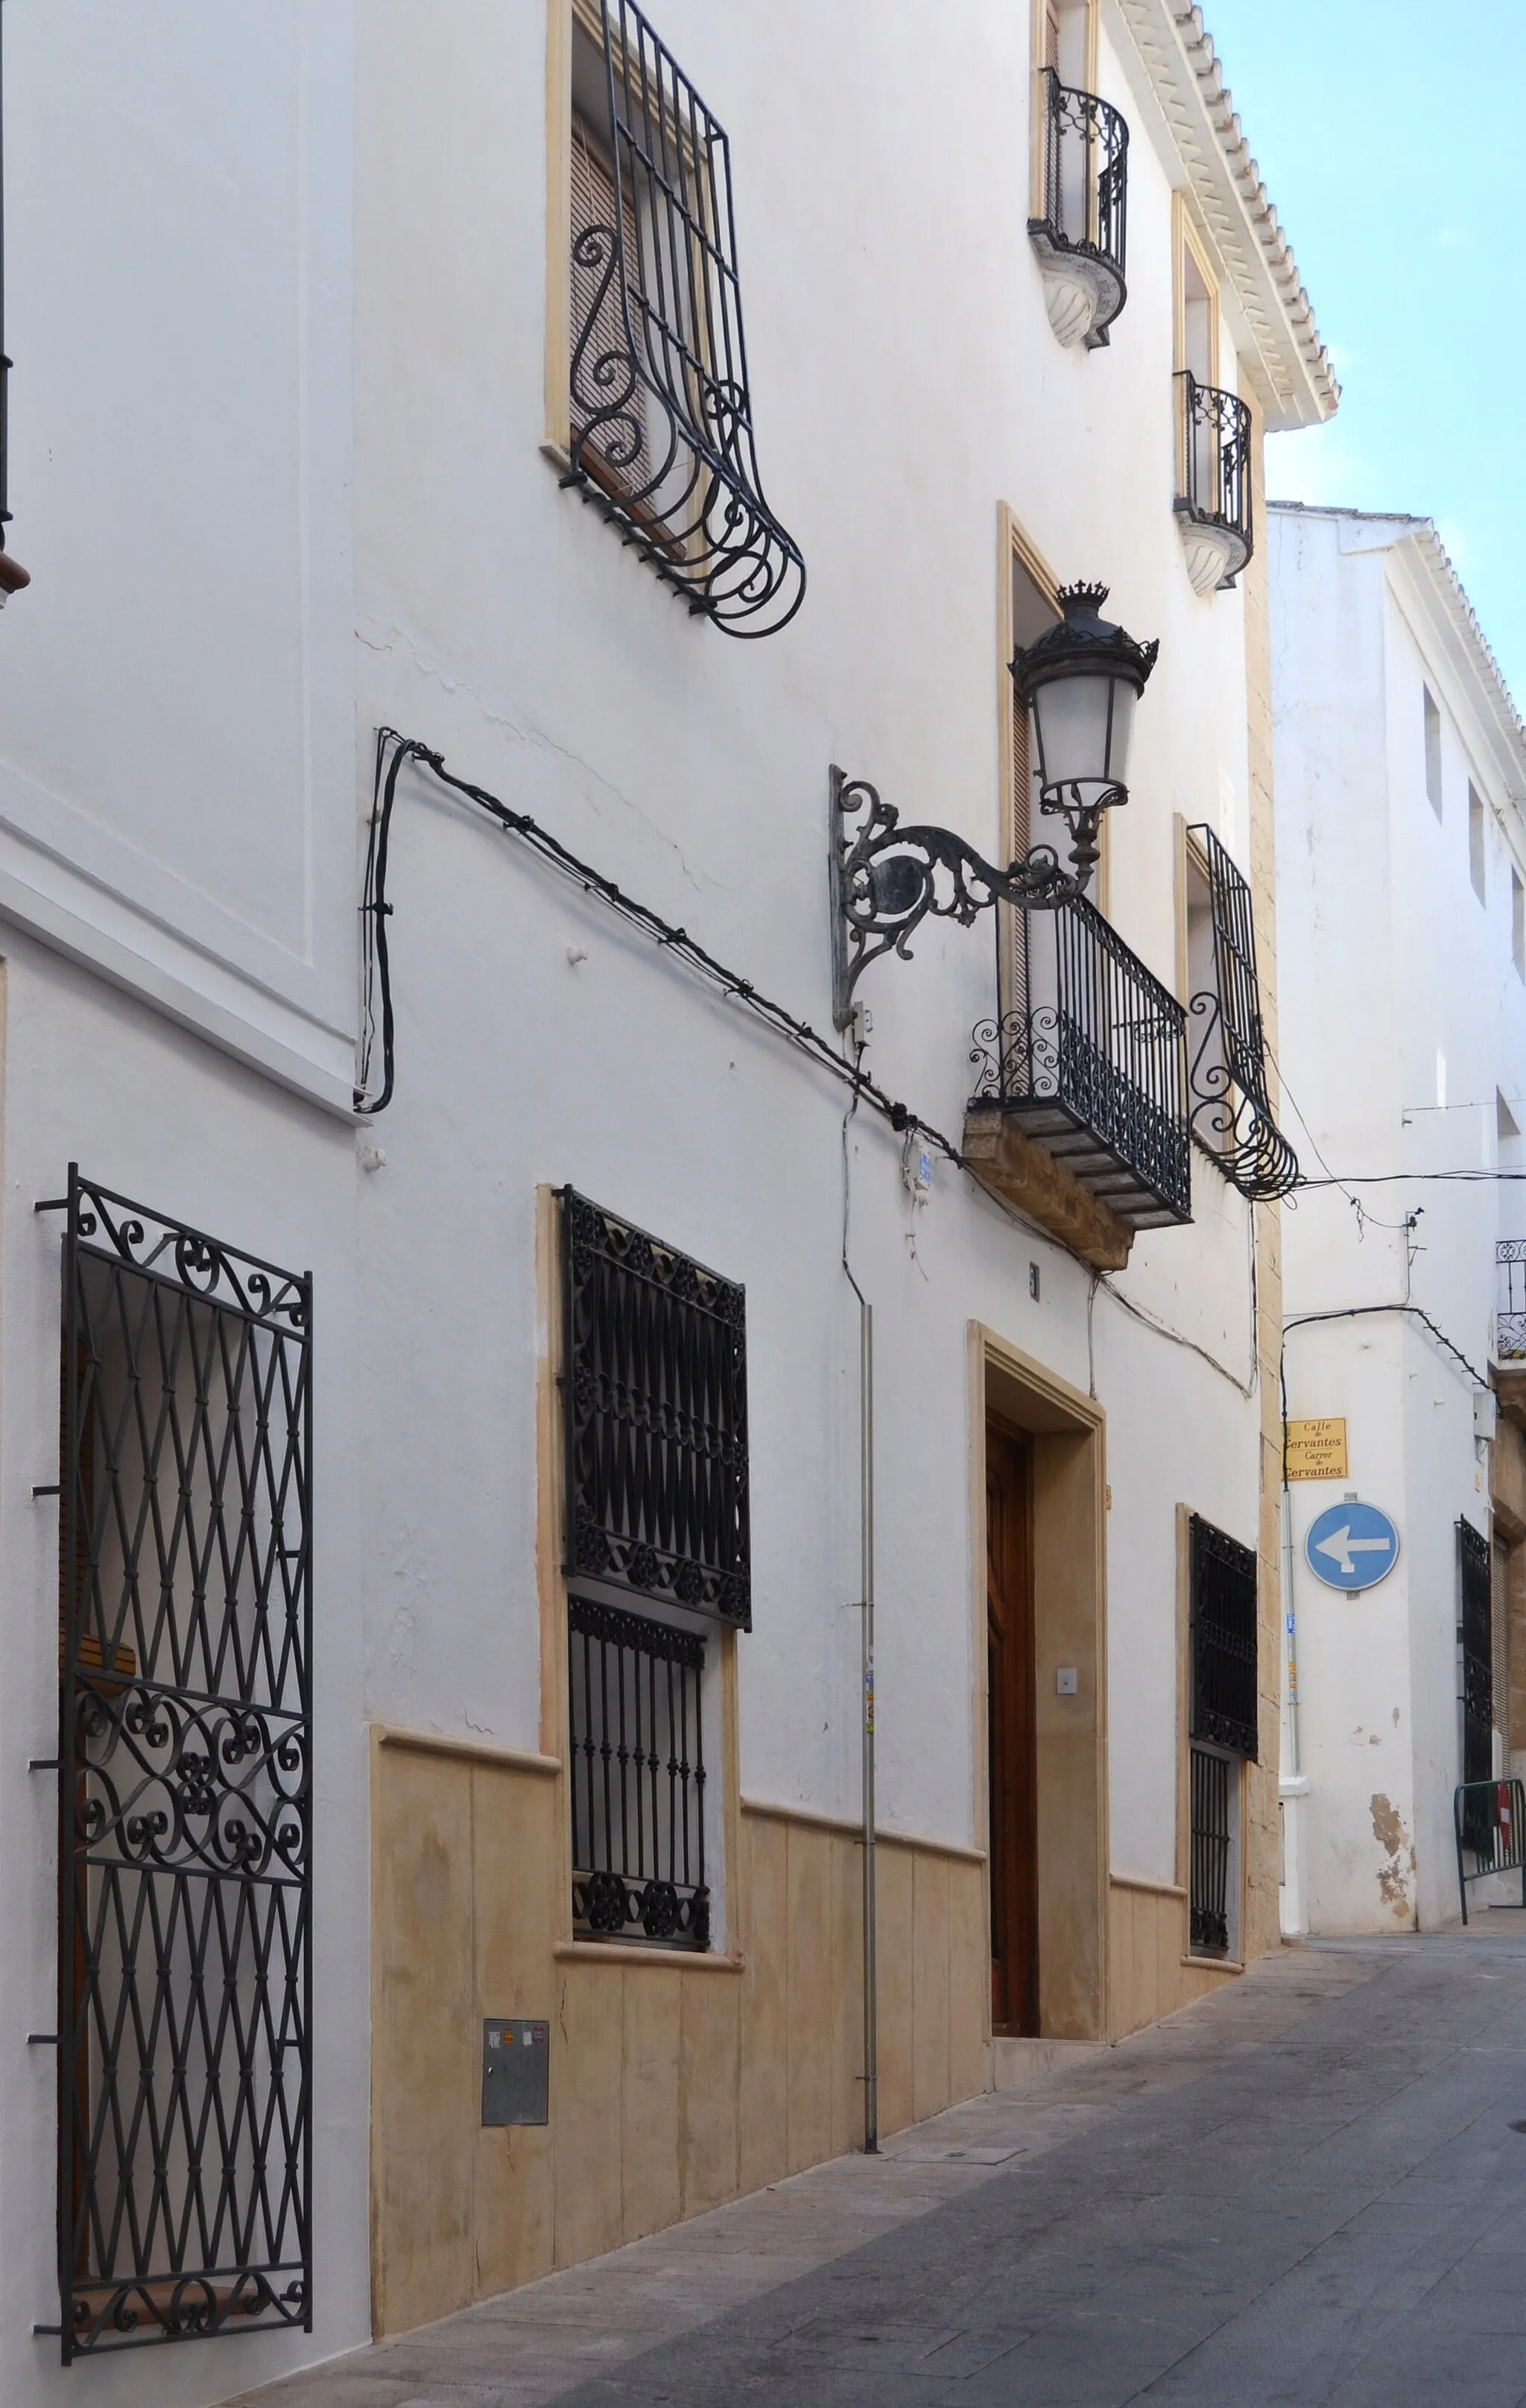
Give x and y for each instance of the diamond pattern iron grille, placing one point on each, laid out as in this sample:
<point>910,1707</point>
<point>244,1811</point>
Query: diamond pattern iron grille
<point>654,1401</point>
<point>185,1786</point>
<point>1225,1686</point>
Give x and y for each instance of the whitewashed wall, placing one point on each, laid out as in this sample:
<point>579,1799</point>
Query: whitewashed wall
<point>209,503</point>
<point>1403,1016</point>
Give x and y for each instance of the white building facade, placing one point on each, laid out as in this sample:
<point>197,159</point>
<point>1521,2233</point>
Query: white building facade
<point>1400,769</point>
<point>432,1541</point>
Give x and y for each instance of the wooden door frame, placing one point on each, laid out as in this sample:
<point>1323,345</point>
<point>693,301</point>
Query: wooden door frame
<point>1067,1432</point>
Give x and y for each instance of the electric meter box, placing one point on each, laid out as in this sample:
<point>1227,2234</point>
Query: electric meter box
<point>516,2065</point>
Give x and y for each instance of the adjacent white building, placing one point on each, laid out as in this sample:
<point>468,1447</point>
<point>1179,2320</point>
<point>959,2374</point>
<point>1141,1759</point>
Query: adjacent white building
<point>1401,780</point>
<point>432,1415</point>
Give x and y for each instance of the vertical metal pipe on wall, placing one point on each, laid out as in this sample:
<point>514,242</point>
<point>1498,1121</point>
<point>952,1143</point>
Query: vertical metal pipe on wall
<point>866,1421</point>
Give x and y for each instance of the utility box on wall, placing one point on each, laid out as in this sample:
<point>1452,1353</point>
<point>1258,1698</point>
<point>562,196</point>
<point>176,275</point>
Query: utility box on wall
<point>516,2061</point>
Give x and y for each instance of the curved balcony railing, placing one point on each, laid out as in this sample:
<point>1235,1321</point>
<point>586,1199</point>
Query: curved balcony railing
<point>660,406</point>
<point>1228,1100</point>
<point>1091,1061</point>
<point>1081,235</point>
<point>1510,1316</point>
<point>1214,501</point>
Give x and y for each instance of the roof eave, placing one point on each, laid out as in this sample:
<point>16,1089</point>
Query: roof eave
<point>1288,365</point>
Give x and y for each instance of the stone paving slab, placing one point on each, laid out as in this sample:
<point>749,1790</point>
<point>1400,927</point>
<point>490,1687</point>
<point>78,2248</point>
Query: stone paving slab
<point>802,2256</point>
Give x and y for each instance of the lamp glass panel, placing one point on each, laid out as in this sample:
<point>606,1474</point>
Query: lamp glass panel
<point>1084,725</point>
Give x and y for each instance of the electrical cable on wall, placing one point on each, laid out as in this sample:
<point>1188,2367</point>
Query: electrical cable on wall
<point>378,1027</point>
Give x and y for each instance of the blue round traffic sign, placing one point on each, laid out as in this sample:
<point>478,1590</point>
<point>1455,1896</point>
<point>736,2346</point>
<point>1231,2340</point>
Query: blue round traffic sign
<point>1351,1546</point>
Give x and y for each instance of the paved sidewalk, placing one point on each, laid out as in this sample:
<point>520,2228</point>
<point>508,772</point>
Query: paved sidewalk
<point>1307,2189</point>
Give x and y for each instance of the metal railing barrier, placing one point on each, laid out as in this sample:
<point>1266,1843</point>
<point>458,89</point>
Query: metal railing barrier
<point>1488,1818</point>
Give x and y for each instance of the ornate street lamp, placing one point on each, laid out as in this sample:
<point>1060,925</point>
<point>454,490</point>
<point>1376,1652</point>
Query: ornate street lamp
<point>1081,679</point>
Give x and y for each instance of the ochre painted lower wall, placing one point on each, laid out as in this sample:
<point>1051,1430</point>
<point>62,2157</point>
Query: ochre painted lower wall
<point>1149,1972</point>
<point>676,2082</point>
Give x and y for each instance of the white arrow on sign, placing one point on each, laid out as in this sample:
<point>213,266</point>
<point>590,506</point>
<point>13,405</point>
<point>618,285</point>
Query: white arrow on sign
<point>1343,1546</point>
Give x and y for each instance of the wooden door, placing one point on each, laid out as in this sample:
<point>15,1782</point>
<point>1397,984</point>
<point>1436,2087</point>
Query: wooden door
<point>1013,1779</point>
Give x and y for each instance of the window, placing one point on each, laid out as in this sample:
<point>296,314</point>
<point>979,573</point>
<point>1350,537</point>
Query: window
<point>1476,1649</point>
<point>637,1777</point>
<point>1229,1095</point>
<point>649,402</point>
<point>185,1794</point>
<point>12,575</point>
<point>1225,1706</point>
<point>655,1398</point>
<point>1078,209</point>
<point>1432,751</point>
<point>655,1405</point>
<point>1213,427</point>
<point>1517,923</point>
<point>1027,606</point>
<point>1476,839</point>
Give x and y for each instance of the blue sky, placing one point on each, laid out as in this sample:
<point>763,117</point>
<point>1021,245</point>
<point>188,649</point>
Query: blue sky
<point>1389,135</point>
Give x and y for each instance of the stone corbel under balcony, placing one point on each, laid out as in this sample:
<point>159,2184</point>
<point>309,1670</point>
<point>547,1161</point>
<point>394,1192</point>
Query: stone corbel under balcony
<point>1215,554</point>
<point>1082,291</point>
<point>1020,1171</point>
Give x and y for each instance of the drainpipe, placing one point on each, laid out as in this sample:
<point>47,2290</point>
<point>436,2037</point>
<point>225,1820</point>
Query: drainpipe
<point>1289,1626</point>
<point>866,1421</point>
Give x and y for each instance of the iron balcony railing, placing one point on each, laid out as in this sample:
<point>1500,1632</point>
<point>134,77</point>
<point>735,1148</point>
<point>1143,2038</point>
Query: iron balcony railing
<point>1215,465</point>
<point>1087,1051</point>
<point>1085,190</point>
<point>1510,1302</point>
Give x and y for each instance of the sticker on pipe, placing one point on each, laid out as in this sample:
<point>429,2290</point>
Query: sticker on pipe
<point>1351,1546</point>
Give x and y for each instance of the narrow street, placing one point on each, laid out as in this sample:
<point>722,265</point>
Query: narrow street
<point>1309,2189</point>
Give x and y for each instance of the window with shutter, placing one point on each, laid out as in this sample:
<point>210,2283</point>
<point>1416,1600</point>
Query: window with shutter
<point>607,398</point>
<point>659,406</point>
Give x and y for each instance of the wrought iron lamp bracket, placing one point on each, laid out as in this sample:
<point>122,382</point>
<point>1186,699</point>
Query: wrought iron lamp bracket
<point>886,879</point>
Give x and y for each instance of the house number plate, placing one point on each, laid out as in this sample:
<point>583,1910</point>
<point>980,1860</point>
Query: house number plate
<point>516,2059</point>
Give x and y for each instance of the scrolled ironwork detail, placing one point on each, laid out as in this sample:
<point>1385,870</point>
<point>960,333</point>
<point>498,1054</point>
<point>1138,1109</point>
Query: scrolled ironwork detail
<point>887,878</point>
<point>185,1784</point>
<point>1232,1117</point>
<point>1216,496</point>
<point>1084,223</point>
<point>654,1389</point>
<point>662,435</point>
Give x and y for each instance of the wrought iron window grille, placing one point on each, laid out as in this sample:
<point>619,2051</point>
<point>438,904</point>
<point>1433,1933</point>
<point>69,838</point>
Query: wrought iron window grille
<point>637,1778</point>
<point>661,409</point>
<point>1223,1639</point>
<point>1510,1315</point>
<point>1475,1635</point>
<point>1092,1062</point>
<point>12,575</point>
<point>184,1973</point>
<point>1216,495</point>
<point>1232,1117</point>
<point>1210,1779</point>
<point>1084,225</point>
<point>655,1410</point>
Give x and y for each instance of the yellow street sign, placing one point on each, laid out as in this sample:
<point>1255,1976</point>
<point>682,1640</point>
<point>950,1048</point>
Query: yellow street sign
<point>1317,1450</point>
